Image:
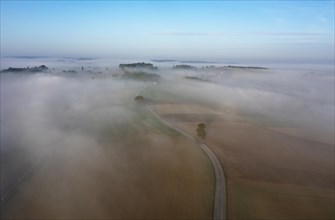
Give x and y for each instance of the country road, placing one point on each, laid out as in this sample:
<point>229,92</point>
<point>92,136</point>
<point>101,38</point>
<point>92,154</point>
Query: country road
<point>220,203</point>
<point>219,208</point>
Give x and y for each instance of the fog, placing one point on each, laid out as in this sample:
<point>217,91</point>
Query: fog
<point>49,113</point>
<point>300,98</point>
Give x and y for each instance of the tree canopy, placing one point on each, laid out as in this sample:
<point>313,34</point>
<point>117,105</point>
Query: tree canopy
<point>201,132</point>
<point>184,66</point>
<point>138,65</point>
<point>139,99</point>
<point>34,69</point>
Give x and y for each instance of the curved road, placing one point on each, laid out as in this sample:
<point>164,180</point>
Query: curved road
<point>220,202</point>
<point>219,212</point>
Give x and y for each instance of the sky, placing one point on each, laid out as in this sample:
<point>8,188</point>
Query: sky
<point>206,30</point>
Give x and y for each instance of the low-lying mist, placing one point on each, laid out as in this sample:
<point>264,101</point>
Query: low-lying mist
<point>42,109</point>
<point>46,113</point>
<point>42,113</point>
<point>298,99</point>
<point>45,106</point>
<point>85,133</point>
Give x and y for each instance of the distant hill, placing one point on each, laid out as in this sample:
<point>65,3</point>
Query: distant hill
<point>162,61</point>
<point>27,57</point>
<point>183,61</point>
<point>247,67</point>
<point>198,61</point>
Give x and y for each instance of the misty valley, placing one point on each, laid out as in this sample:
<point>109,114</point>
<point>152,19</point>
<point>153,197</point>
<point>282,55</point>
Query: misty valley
<point>165,139</point>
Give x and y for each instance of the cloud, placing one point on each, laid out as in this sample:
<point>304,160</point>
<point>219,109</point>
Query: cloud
<point>265,33</point>
<point>289,33</point>
<point>180,33</point>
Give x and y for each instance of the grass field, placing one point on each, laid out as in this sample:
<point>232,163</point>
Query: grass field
<point>135,168</point>
<point>104,156</point>
<point>151,176</point>
<point>270,175</point>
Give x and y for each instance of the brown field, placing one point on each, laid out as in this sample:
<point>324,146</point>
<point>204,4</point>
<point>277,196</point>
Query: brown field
<point>148,175</point>
<point>270,175</point>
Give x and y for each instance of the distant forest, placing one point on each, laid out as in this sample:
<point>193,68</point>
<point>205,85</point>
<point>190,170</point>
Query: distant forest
<point>184,66</point>
<point>35,69</point>
<point>138,65</point>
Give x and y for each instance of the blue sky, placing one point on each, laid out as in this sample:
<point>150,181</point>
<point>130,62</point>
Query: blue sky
<point>207,30</point>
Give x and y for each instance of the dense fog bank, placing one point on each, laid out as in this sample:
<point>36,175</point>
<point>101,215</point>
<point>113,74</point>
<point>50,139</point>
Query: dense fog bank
<point>52,109</point>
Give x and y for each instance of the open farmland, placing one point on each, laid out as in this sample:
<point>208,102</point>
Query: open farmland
<point>104,156</point>
<point>167,110</point>
<point>118,180</point>
<point>270,175</point>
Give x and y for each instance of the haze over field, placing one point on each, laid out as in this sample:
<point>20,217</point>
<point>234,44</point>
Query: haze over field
<point>89,117</point>
<point>257,77</point>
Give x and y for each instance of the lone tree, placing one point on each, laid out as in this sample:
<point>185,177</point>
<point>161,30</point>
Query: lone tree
<point>201,131</point>
<point>139,99</point>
